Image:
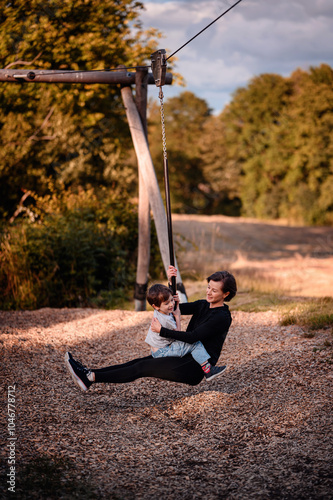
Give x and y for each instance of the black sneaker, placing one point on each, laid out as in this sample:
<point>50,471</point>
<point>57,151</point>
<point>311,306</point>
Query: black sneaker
<point>79,372</point>
<point>215,371</point>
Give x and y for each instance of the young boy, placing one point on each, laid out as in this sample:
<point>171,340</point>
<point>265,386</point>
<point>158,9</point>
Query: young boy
<point>162,301</point>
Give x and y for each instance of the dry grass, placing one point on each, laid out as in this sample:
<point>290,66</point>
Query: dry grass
<point>261,294</point>
<point>278,267</point>
<point>297,261</point>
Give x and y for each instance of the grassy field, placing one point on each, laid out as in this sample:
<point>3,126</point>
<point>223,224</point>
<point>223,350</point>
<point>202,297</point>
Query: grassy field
<point>278,267</point>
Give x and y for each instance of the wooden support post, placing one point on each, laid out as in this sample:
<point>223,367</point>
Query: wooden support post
<point>144,206</point>
<point>148,173</point>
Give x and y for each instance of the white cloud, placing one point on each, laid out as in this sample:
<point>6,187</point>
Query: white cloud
<point>257,36</point>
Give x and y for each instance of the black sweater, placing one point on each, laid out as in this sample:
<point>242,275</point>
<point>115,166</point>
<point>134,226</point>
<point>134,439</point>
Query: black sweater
<point>209,325</point>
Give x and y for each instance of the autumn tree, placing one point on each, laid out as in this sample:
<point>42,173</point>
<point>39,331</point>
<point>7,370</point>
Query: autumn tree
<point>220,170</point>
<point>307,130</point>
<point>278,131</point>
<point>249,122</point>
<point>185,117</point>
<point>76,133</point>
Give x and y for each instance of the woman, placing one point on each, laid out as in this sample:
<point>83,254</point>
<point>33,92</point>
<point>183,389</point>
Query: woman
<point>209,324</point>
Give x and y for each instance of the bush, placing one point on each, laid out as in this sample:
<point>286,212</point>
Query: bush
<point>67,249</point>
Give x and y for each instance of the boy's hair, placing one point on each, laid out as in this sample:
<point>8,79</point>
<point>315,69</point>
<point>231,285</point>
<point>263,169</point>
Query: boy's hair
<point>158,294</point>
<point>228,283</point>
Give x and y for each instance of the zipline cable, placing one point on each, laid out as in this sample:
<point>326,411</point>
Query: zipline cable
<point>149,66</point>
<point>208,26</point>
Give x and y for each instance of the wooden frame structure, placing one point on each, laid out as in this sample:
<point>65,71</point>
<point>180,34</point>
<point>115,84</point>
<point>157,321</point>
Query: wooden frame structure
<point>149,192</point>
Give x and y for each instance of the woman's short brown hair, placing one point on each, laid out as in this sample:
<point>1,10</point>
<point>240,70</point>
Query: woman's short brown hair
<point>228,283</point>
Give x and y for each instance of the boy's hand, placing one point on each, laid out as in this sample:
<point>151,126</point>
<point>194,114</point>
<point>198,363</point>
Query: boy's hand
<point>156,325</point>
<point>176,311</point>
<point>172,271</point>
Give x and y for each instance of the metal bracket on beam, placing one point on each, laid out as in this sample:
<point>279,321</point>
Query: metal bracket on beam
<point>159,66</point>
<point>31,76</point>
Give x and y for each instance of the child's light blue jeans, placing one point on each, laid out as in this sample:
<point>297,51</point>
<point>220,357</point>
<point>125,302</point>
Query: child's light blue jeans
<point>179,349</point>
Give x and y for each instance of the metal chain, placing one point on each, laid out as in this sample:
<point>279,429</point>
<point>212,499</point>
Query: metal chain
<point>163,124</point>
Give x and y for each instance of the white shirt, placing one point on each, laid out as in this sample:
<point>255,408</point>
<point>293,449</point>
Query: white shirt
<point>153,338</point>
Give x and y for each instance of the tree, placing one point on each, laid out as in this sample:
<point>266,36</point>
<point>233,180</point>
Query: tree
<point>72,248</point>
<point>308,131</point>
<point>76,133</point>
<point>250,120</point>
<point>278,131</point>
<point>185,117</point>
<point>220,171</point>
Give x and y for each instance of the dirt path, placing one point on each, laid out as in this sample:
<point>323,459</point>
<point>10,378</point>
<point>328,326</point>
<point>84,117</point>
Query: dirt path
<point>262,431</point>
<point>300,259</point>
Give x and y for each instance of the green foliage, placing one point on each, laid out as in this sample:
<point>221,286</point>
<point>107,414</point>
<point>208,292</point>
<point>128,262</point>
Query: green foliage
<point>278,131</point>
<point>185,117</point>
<point>74,133</point>
<point>68,249</point>
<point>220,171</point>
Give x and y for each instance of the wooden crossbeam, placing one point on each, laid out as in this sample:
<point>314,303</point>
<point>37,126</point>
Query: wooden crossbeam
<point>70,76</point>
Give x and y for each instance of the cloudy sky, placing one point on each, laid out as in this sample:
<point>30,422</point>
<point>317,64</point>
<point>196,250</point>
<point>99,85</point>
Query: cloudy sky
<point>257,36</point>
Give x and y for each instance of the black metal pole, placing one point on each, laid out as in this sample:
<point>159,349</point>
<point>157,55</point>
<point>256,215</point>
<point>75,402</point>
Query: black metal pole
<point>169,221</point>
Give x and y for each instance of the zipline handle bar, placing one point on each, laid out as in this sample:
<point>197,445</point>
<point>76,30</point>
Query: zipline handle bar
<point>158,66</point>
<point>169,221</point>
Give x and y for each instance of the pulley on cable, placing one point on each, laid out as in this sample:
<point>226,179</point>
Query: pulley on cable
<point>158,66</point>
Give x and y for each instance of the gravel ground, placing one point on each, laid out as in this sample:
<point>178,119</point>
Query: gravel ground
<point>261,431</point>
